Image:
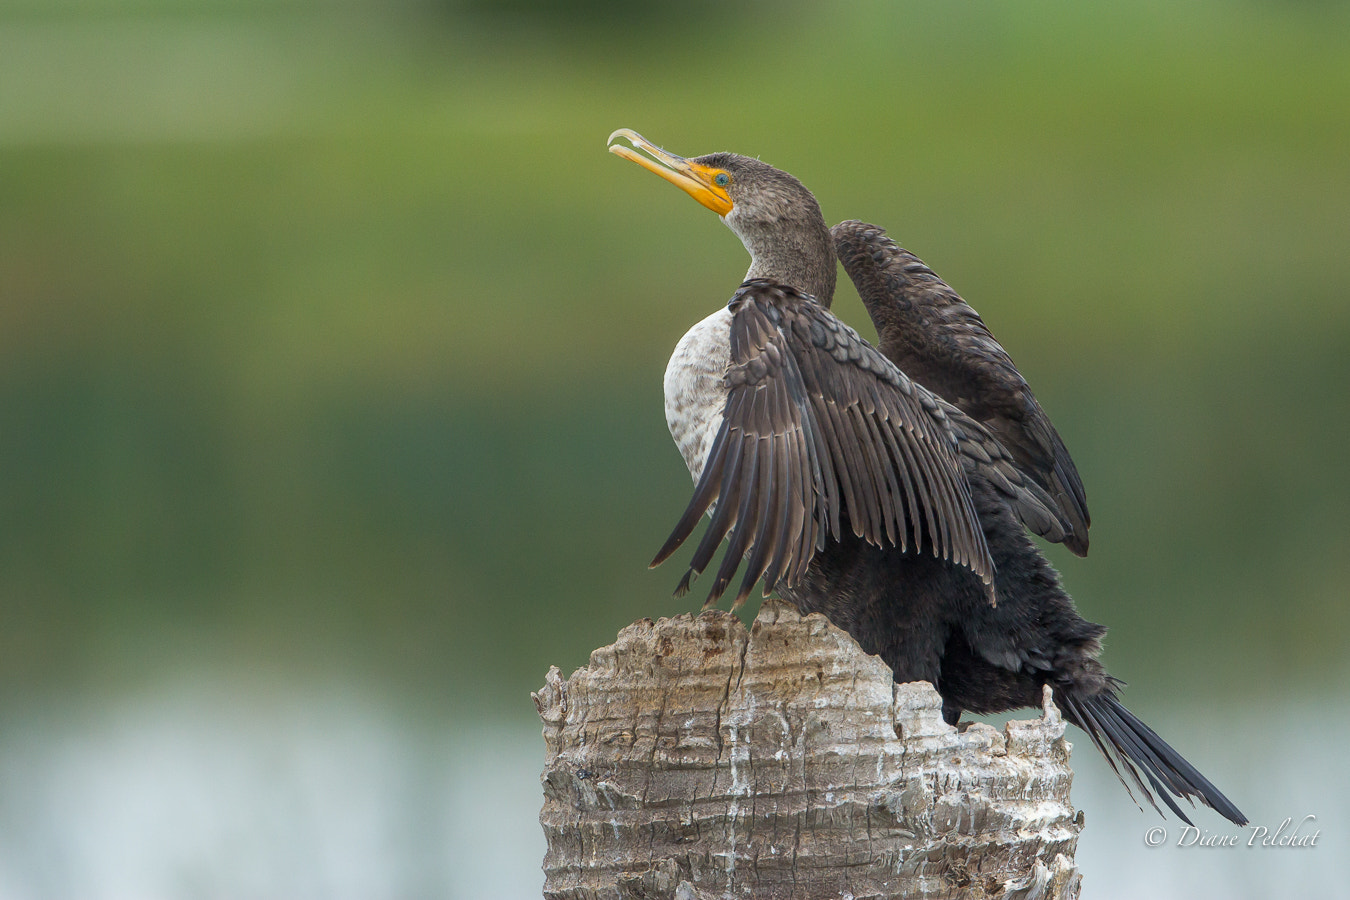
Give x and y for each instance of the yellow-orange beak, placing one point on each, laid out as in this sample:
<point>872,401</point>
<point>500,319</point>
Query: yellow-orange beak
<point>697,180</point>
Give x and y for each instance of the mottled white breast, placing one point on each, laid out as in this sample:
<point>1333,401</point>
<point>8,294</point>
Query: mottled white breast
<point>696,390</point>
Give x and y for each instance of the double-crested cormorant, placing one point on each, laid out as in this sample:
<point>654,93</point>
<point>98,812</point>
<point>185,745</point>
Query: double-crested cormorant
<point>890,490</point>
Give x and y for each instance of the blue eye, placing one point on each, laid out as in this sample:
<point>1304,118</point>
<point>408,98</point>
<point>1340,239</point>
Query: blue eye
<point>722,179</point>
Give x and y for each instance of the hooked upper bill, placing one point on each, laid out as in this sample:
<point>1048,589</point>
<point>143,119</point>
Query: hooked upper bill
<point>697,180</point>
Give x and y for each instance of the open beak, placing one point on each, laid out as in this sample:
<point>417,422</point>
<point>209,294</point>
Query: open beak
<point>689,176</point>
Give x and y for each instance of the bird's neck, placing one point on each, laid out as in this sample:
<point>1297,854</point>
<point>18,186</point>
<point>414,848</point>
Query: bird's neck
<point>802,258</point>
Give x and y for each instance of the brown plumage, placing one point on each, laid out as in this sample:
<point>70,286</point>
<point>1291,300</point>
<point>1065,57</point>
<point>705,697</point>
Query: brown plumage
<point>838,476</point>
<point>818,424</point>
<point>926,329</point>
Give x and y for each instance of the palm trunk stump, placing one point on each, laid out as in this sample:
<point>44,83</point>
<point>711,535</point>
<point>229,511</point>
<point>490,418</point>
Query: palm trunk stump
<point>693,758</point>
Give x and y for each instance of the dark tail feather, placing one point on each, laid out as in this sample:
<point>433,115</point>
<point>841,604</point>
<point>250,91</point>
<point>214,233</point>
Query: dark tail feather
<point>1126,741</point>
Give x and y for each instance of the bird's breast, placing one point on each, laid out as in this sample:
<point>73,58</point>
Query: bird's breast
<point>696,388</point>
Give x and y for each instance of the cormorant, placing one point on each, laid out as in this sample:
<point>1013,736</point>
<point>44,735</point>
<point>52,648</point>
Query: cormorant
<point>897,508</point>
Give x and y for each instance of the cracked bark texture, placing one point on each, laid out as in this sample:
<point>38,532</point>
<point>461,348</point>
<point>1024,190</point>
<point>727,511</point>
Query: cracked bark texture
<point>693,758</point>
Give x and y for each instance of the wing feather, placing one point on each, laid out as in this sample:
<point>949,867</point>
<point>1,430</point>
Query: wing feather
<point>984,456</point>
<point>930,332</point>
<point>817,427</point>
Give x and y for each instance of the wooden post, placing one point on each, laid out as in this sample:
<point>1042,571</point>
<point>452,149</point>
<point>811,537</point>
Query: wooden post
<point>693,759</point>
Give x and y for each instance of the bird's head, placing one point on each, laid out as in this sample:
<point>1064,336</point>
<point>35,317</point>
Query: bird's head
<point>775,216</point>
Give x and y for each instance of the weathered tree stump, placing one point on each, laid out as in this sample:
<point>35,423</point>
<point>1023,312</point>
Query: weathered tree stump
<point>694,759</point>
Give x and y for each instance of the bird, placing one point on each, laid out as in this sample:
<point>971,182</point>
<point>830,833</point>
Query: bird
<point>900,510</point>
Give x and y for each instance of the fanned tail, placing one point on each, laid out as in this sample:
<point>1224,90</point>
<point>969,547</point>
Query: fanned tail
<point>1133,749</point>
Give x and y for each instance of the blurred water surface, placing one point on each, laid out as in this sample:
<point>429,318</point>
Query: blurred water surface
<point>221,787</point>
<point>331,344</point>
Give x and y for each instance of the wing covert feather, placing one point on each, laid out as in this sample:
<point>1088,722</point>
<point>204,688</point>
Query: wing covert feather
<point>821,432</point>
<point>931,333</point>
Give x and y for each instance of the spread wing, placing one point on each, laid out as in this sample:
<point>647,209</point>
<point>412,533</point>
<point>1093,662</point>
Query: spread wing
<point>927,330</point>
<point>983,457</point>
<point>821,432</point>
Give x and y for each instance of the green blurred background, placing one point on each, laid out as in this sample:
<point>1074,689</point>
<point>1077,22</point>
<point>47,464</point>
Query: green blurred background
<point>331,345</point>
